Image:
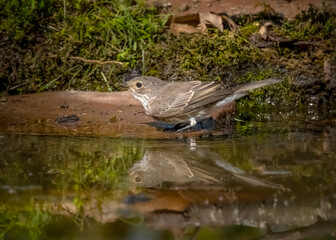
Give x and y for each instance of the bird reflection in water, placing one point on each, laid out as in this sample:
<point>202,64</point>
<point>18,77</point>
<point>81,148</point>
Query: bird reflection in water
<point>190,168</point>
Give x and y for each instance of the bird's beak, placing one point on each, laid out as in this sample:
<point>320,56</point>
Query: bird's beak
<point>124,85</point>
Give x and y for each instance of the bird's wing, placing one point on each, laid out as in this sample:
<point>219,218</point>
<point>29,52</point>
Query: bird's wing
<point>215,92</point>
<point>168,109</point>
<point>207,93</point>
<point>192,95</point>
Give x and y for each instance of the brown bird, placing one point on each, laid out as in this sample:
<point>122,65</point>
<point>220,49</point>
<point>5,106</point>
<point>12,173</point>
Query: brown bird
<point>178,102</point>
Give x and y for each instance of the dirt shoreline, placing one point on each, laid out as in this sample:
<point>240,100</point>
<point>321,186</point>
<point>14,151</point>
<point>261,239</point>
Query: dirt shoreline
<point>118,114</point>
<point>109,114</point>
<point>287,9</point>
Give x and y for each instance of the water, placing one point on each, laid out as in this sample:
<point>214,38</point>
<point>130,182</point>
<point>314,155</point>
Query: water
<point>277,176</point>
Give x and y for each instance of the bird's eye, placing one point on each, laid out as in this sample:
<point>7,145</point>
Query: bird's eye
<point>138,179</point>
<point>138,84</point>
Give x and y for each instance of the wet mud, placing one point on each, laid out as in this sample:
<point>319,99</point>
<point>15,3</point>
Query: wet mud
<point>115,114</point>
<point>287,9</point>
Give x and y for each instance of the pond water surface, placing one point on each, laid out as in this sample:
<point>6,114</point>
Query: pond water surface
<point>270,180</point>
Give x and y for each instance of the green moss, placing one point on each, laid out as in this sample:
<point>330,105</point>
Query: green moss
<point>40,37</point>
<point>247,30</point>
<point>312,24</point>
<point>268,99</point>
<point>200,57</point>
<point>19,19</point>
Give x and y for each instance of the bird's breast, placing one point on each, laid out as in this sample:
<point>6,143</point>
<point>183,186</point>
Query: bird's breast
<point>143,98</point>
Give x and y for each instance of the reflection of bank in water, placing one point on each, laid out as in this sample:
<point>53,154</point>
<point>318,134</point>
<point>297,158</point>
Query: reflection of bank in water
<point>184,188</point>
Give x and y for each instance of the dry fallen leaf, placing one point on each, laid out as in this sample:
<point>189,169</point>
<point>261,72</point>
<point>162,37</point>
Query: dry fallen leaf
<point>210,19</point>
<point>199,22</point>
<point>176,28</point>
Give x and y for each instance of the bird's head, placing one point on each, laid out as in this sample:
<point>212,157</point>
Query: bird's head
<point>144,85</point>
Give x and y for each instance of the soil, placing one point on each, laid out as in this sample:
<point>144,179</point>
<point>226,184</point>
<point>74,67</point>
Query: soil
<point>114,114</point>
<point>287,9</point>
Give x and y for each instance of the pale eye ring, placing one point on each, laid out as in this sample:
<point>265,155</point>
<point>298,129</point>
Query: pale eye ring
<point>138,84</point>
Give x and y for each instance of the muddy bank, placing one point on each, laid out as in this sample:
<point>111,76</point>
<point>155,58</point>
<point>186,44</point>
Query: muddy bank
<point>68,56</point>
<point>115,114</point>
<point>99,114</point>
<point>287,9</point>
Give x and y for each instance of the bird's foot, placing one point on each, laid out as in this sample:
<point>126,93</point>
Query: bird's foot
<point>192,124</point>
<point>206,123</point>
<point>185,128</point>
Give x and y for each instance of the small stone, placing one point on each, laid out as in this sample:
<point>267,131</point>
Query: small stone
<point>319,53</point>
<point>68,119</point>
<point>167,5</point>
<point>327,67</point>
<point>64,105</point>
<point>184,7</point>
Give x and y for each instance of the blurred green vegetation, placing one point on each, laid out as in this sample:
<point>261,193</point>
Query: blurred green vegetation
<point>26,222</point>
<point>73,164</point>
<point>40,176</point>
<point>39,173</point>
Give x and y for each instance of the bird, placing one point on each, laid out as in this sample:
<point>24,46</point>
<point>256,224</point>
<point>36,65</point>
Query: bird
<point>191,101</point>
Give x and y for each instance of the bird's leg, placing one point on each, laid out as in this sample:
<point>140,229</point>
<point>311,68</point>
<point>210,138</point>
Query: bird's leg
<point>192,123</point>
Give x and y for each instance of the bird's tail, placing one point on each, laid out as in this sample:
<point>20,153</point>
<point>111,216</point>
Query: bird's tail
<point>243,88</point>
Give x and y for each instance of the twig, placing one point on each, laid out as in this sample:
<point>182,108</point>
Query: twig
<point>64,9</point>
<point>19,85</point>
<point>49,83</point>
<point>248,42</point>
<point>106,82</point>
<point>96,61</point>
<point>143,58</point>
